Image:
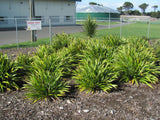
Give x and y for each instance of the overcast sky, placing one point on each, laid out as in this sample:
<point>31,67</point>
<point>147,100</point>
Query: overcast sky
<point>117,3</point>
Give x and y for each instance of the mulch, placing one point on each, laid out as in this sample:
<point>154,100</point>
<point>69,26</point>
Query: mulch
<point>128,102</point>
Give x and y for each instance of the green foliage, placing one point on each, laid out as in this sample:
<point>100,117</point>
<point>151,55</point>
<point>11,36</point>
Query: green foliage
<point>62,40</point>
<point>97,49</point>
<point>9,77</point>
<point>93,75</point>
<point>112,40</point>
<point>90,27</point>
<point>24,61</point>
<point>143,7</point>
<point>46,85</point>
<point>134,63</point>
<point>46,79</point>
<point>44,50</point>
<point>155,45</point>
<point>94,71</point>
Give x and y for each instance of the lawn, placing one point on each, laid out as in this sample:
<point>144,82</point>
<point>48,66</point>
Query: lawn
<point>135,29</point>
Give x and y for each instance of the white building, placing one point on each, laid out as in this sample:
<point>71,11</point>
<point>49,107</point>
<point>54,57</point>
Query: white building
<point>61,12</point>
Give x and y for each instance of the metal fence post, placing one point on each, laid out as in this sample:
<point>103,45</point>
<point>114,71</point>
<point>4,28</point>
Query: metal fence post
<point>17,33</point>
<point>120,27</point>
<point>149,24</point>
<point>109,24</point>
<point>50,30</point>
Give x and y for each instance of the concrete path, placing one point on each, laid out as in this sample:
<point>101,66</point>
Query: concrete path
<point>9,37</point>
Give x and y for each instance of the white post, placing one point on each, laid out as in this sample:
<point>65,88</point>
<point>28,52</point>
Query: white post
<point>50,30</point>
<point>17,33</point>
<point>149,24</point>
<point>120,27</point>
<point>109,26</point>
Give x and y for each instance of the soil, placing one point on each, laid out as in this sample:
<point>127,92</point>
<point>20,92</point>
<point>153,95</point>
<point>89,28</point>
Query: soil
<point>128,102</point>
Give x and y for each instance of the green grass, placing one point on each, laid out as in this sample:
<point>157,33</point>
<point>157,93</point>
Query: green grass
<point>27,44</point>
<point>135,29</point>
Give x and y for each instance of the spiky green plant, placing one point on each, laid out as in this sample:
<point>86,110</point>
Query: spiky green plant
<point>9,77</point>
<point>112,40</point>
<point>62,40</point>
<point>93,75</point>
<point>45,82</point>
<point>44,50</point>
<point>90,27</point>
<point>96,49</point>
<point>156,47</point>
<point>46,85</point>
<point>135,63</point>
<point>24,61</point>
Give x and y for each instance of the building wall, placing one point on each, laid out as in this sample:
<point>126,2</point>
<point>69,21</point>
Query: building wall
<point>60,12</point>
<point>134,18</point>
<point>97,16</point>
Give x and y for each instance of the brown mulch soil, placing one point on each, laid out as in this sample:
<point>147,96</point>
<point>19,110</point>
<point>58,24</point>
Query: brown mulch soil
<point>129,102</point>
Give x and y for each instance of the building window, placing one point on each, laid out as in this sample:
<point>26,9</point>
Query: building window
<point>38,18</point>
<point>3,19</point>
<point>68,19</point>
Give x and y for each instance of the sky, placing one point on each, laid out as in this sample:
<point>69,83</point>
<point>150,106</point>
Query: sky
<point>114,4</point>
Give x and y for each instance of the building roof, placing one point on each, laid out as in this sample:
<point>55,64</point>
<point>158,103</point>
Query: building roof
<point>72,0</point>
<point>96,9</point>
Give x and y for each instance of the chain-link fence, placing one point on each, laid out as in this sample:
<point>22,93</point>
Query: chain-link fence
<point>14,30</point>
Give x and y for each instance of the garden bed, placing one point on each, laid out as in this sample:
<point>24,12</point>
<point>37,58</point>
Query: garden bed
<point>127,102</point>
<point>130,102</point>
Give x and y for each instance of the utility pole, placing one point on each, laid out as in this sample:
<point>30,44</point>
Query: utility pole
<point>32,17</point>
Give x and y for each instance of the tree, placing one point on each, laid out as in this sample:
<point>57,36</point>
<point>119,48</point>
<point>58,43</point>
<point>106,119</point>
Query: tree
<point>93,3</point>
<point>120,9</point>
<point>135,12</point>
<point>155,7</point>
<point>127,6</point>
<point>143,7</point>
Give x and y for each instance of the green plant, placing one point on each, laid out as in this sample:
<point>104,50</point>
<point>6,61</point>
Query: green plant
<point>46,85</point>
<point>156,44</point>
<point>9,77</point>
<point>135,63</point>
<point>62,40</point>
<point>24,61</point>
<point>90,27</point>
<point>112,40</point>
<point>93,75</point>
<point>46,79</point>
<point>95,49</point>
<point>44,50</point>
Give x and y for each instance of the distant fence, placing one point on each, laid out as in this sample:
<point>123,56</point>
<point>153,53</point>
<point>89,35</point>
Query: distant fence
<point>14,30</point>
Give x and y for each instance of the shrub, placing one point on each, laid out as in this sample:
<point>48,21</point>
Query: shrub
<point>9,77</point>
<point>93,75</point>
<point>24,61</point>
<point>156,48</point>
<point>62,40</point>
<point>46,85</point>
<point>90,27</point>
<point>44,50</point>
<point>112,40</point>
<point>46,79</point>
<point>96,49</point>
<point>135,63</point>
<point>76,49</point>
